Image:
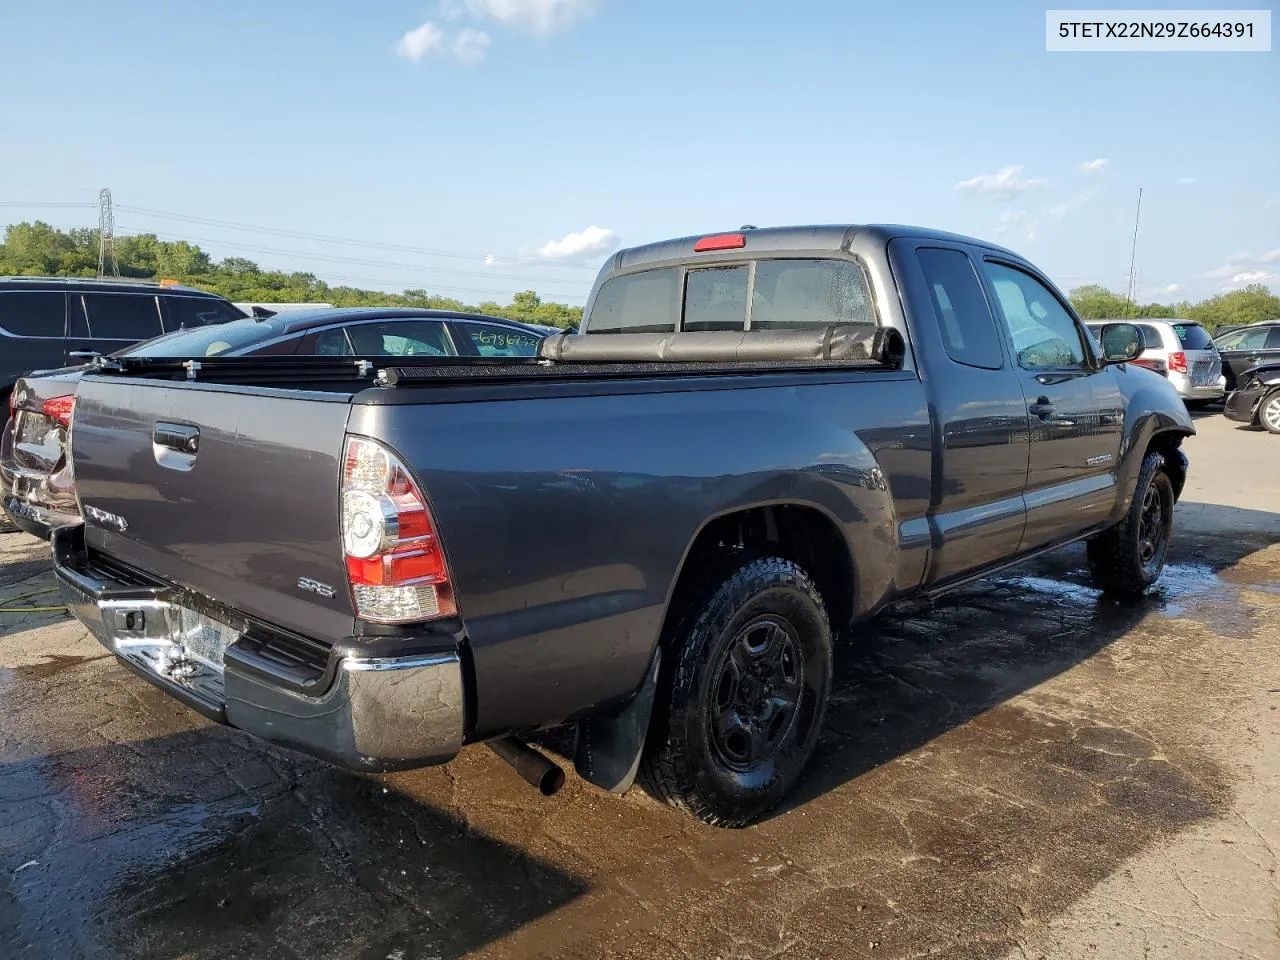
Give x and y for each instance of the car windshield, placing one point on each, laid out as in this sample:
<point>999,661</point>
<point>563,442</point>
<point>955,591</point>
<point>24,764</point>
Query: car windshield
<point>204,341</point>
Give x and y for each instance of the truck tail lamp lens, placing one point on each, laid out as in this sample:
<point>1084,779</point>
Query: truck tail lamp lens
<point>59,409</point>
<point>395,566</point>
<point>1178,362</point>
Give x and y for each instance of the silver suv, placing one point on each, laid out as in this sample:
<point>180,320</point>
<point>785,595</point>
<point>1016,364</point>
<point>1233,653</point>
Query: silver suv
<point>1183,351</point>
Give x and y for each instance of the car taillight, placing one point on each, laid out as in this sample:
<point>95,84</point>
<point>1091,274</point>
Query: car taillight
<point>1178,362</point>
<point>59,409</point>
<point>395,564</point>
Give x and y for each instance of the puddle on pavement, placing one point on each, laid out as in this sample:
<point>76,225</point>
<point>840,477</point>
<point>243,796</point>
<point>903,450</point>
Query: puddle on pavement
<point>1185,591</point>
<point>54,664</point>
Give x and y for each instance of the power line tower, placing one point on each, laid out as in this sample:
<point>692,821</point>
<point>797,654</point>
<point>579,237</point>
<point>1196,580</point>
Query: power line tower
<point>108,266</point>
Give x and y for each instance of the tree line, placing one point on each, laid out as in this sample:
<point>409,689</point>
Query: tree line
<point>37,249</point>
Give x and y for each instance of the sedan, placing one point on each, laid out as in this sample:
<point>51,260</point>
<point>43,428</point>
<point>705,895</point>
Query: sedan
<point>37,477</point>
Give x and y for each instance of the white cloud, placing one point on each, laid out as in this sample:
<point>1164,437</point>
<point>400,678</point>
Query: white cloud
<point>1095,166</point>
<point>1166,290</point>
<point>419,42</point>
<point>470,46</point>
<point>452,9</point>
<point>1271,256</point>
<point>1017,220</point>
<point>1246,277</point>
<point>1186,181</point>
<point>1060,212</point>
<point>490,259</point>
<point>583,245</point>
<point>1272,201</point>
<point>1005,184</point>
<point>537,16</point>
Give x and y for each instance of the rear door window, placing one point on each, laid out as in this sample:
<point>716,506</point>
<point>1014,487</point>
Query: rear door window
<point>1192,336</point>
<point>715,298</point>
<point>123,316</point>
<point>34,314</point>
<point>795,294</point>
<point>401,338</point>
<point>184,313</point>
<point>968,328</point>
<point>637,303</point>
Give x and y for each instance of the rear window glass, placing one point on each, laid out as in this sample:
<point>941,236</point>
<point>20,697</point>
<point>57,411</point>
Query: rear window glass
<point>186,312</point>
<point>34,314</point>
<point>715,298</point>
<point>968,328</point>
<point>791,294</point>
<point>1192,336</point>
<point>204,341</point>
<point>637,303</point>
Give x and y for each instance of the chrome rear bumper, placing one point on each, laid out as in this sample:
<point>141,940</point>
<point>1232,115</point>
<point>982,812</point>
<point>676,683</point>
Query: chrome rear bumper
<point>362,713</point>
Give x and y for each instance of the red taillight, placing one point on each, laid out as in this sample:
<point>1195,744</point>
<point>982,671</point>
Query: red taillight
<point>59,409</point>
<point>721,241</point>
<point>1178,362</point>
<point>395,566</point>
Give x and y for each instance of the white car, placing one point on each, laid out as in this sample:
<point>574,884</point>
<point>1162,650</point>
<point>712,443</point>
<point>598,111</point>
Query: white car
<point>1183,351</point>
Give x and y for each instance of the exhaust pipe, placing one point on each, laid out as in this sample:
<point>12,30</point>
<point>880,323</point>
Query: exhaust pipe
<point>530,764</point>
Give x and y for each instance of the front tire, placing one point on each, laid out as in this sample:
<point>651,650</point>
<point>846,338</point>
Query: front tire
<point>1128,558</point>
<point>738,714</point>
<point>1269,412</point>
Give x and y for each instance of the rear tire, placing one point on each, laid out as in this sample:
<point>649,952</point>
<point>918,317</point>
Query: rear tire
<point>739,710</point>
<point>1128,558</point>
<point>1269,412</point>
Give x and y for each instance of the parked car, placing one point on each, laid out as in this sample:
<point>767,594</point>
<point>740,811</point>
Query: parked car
<point>651,536</point>
<point>1153,360</point>
<point>1257,400</point>
<point>1247,347</point>
<point>38,482</point>
<point>54,321</point>
<point>1187,354</point>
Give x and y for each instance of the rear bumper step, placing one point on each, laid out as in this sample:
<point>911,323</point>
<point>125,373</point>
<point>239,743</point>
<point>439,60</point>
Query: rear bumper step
<point>362,713</point>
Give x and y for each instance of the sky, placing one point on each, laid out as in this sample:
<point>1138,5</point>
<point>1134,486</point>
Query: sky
<point>479,147</point>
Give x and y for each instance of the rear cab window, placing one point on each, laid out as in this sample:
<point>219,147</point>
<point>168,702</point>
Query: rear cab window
<point>761,294</point>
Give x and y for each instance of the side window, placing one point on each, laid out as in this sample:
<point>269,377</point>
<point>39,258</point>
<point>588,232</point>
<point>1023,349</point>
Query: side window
<point>491,340</point>
<point>1251,339</point>
<point>1273,339</point>
<point>790,294</point>
<point>122,316</point>
<point>401,338</point>
<point>183,313</point>
<point>34,314</point>
<point>1045,336</point>
<point>329,343</point>
<point>715,298</point>
<point>636,303</point>
<point>968,329</point>
<point>1152,338</point>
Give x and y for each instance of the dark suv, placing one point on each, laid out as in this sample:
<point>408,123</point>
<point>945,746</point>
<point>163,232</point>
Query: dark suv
<point>49,322</point>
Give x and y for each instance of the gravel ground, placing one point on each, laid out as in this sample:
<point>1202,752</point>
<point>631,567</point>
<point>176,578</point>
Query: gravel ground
<point>1024,770</point>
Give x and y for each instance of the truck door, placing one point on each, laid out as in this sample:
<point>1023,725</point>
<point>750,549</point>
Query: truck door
<point>976,511</point>
<point>1075,420</point>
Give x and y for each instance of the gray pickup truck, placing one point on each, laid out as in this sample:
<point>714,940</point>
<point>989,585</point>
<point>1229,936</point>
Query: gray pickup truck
<point>649,533</point>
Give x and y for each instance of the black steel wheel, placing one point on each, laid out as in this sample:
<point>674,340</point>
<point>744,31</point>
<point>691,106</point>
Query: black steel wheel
<point>741,699</point>
<point>1128,558</point>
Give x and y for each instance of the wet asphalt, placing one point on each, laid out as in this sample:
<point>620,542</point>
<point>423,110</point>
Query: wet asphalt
<point>986,763</point>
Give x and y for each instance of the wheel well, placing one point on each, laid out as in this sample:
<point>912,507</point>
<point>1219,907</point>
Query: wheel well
<point>803,535</point>
<point>1174,461</point>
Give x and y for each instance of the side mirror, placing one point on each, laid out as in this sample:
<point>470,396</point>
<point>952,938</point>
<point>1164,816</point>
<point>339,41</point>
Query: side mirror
<point>1121,342</point>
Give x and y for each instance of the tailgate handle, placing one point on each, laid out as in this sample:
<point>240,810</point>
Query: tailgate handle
<point>175,445</point>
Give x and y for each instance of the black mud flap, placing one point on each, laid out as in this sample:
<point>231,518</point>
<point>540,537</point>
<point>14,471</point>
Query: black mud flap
<point>609,748</point>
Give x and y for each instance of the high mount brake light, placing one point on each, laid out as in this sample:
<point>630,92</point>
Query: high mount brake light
<point>395,565</point>
<point>723,241</point>
<point>59,409</point>
<point>1178,362</point>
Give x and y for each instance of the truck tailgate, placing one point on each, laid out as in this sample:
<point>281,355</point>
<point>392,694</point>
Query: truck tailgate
<point>228,492</point>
